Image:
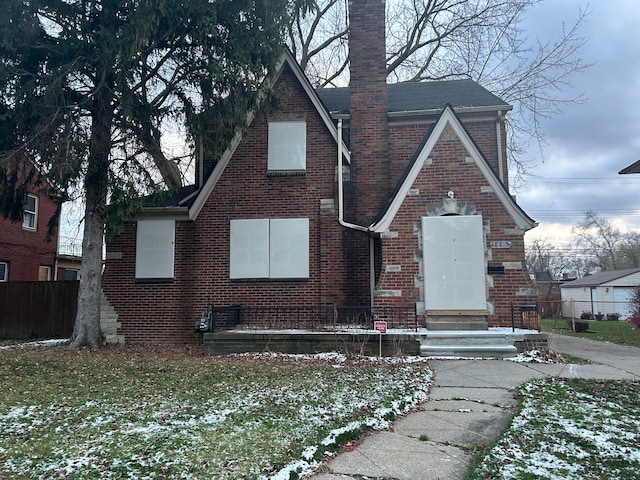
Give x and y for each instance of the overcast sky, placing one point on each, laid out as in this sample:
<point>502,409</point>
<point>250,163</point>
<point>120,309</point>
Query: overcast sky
<point>591,142</point>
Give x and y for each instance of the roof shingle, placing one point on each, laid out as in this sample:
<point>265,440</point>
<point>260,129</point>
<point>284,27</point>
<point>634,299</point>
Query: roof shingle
<point>420,96</point>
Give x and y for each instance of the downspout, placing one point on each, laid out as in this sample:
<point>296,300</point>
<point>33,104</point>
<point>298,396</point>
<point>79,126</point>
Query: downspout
<point>372,274</point>
<point>340,188</point>
<point>200,162</point>
<point>372,270</point>
<point>499,140</point>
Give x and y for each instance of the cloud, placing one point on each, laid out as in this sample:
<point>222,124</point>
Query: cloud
<point>590,142</point>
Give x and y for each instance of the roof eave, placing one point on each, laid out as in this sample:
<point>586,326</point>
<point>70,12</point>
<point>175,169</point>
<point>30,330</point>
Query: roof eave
<point>459,110</point>
<point>174,213</point>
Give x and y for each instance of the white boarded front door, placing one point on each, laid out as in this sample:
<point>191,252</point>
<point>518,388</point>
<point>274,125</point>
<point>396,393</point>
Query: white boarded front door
<point>453,256</point>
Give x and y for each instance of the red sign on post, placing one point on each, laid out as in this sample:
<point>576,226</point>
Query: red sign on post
<point>380,326</point>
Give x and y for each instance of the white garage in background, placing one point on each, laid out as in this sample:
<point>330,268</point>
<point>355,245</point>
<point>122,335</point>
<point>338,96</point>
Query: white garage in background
<point>603,292</point>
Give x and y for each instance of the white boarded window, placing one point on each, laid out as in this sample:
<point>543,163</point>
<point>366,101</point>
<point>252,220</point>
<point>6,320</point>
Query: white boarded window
<point>264,248</point>
<point>249,249</point>
<point>155,241</point>
<point>454,266</point>
<point>4,271</point>
<point>287,146</point>
<point>30,212</point>
<point>289,248</point>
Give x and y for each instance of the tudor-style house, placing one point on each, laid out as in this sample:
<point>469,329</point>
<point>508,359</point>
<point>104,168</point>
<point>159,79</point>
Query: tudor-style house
<point>373,196</point>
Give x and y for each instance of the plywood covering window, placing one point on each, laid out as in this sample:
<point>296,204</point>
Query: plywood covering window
<point>155,240</point>
<point>44,273</point>
<point>269,248</point>
<point>287,146</point>
<point>454,265</point>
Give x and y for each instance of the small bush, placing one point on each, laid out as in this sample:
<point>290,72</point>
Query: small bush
<point>580,325</point>
<point>634,303</point>
<point>635,321</point>
<point>586,316</point>
<point>613,317</point>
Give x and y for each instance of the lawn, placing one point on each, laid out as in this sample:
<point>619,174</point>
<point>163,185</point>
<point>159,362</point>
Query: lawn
<point>569,429</point>
<point>133,412</point>
<point>620,332</point>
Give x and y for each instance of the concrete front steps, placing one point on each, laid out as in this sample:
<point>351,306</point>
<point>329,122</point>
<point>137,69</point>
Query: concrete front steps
<point>470,343</point>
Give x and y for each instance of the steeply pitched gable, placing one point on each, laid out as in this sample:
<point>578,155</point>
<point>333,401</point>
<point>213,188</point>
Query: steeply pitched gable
<point>289,61</point>
<point>448,118</point>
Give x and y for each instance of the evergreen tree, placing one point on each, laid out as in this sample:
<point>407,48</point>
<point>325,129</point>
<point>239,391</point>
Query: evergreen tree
<point>88,88</point>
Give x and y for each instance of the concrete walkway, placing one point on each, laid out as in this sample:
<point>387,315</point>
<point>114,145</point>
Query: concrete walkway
<point>470,404</point>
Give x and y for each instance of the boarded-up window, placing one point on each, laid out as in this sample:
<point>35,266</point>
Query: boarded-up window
<point>287,146</point>
<point>269,248</point>
<point>155,241</point>
<point>454,266</point>
<point>44,273</point>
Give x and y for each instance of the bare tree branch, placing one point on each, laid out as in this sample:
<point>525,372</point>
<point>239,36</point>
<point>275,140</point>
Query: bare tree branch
<point>448,39</point>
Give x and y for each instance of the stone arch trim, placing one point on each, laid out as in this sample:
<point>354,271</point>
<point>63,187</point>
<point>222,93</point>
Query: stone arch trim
<point>451,206</point>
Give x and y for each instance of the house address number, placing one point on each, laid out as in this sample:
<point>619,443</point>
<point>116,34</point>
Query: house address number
<point>500,244</point>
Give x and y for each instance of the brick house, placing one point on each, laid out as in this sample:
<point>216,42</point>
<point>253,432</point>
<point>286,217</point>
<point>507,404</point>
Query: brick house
<point>25,252</point>
<point>421,217</point>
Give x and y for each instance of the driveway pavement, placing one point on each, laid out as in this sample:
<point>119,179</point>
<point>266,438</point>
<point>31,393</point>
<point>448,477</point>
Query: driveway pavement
<point>470,404</point>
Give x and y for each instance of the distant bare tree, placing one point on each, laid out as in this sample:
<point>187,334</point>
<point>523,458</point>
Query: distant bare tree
<point>629,251</point>
<point>448,39</point>
<point>542,256</point>
<point>600,240</point>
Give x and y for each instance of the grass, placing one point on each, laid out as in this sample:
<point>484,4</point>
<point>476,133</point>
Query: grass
<point>619,332</point>
<point>133,412</point>
<point>568,429</point>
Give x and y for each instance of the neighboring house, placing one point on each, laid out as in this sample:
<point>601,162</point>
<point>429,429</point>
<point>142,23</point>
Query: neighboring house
<point>69,258</point>
<point>633,168</point>
<point>25,252</point>
<point>421,217</point>
<point>604,293</point>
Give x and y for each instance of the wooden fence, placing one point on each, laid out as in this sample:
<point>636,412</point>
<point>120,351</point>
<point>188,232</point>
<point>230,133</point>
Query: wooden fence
<point>37,309</point>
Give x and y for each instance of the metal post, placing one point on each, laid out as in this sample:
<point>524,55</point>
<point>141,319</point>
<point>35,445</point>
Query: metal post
<point>513,322</point>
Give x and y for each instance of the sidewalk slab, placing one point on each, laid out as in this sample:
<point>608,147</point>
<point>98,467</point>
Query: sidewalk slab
<point>455,422</point>
<point>391,455</point>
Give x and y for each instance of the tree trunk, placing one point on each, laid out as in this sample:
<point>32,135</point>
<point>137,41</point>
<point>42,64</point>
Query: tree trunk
<point>86,330</point>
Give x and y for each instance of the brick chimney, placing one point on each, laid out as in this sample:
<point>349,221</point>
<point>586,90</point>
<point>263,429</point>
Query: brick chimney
<point>368,106</point>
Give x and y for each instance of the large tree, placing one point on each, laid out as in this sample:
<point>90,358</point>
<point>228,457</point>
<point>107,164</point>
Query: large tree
<point>447,39</point>
<point>89,87</point>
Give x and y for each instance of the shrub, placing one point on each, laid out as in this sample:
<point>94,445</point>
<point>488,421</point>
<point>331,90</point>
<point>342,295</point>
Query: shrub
<point>586,315</point>
<point>634,303</point>
<point>635,321</point>
<point>580,325</point>
<point>613,316</point>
